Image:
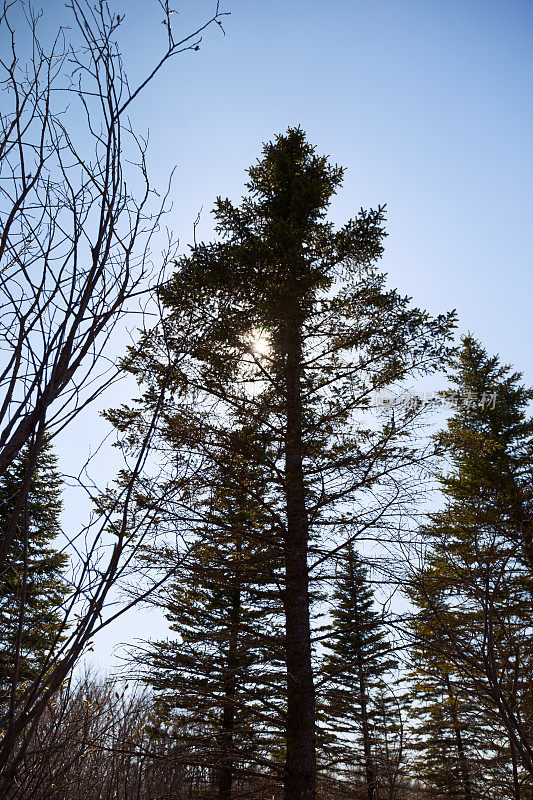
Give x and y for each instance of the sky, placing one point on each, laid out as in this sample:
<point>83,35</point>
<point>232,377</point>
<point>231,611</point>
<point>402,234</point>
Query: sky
<point>428,106</point>
<point>426,103</point>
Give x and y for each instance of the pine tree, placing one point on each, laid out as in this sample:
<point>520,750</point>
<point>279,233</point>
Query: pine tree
<point>287,319</point>
<point>33,587</point>
<point>356,669</point>
<point>474,654</point>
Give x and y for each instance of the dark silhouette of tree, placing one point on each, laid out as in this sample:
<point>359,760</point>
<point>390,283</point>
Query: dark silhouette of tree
<point>473,590</point>
<point>74,254</point>
<point>286,320</point>
<point>358,665</point>
<point>33,589</point>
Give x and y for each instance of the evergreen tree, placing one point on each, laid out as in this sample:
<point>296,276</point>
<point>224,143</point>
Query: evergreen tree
<point>490,440</point>
<point>287,319</point>
<point>32,587</point>
<point>452,738</point>
<point>474,654</point>
<point>356,670</point>
<point>463,749</point>
<point>217,680</point>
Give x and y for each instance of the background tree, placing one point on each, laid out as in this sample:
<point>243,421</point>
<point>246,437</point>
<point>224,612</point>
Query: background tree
<point>455,741</point>
<point>287,318</point>
<point>474,587</point>
<point>357,668</point>
<point>34,587</point>
<point>217,680</point>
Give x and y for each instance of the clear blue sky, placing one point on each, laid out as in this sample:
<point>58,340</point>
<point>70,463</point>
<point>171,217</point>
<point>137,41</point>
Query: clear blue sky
<point>427,103</point>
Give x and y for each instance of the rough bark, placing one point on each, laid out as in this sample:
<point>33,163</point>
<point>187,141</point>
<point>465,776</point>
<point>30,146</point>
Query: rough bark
<point>300,775</point>
<point>461,755</point>
<point>370,775</point>
<point>227,763</point>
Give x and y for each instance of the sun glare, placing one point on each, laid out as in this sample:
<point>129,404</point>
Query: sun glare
<point>258,342</point>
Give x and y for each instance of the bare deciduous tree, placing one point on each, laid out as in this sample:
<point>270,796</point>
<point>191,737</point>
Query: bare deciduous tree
<point>74,242</point>
<point>77,224</point>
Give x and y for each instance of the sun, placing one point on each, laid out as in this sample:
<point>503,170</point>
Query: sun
<point>258,342</point>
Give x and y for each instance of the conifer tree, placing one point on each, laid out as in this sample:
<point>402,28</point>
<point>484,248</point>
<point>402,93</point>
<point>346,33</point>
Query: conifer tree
<point>450,734</point>
<point>463,750</point>
<point>287,319</point>
<point>33,587</point>
<point>490,439</point>
<point>357,668</point>
<point>217,679</point>
<point>475,650</point>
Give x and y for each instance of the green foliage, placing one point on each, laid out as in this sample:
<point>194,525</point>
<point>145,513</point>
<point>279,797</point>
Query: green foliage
<point>32,587</point>
<point>474,648</point>
<point>359,709</point>
<point>217,679</point>
<point>281,269</point>
<point>279,262</point>
<point>490,441</point>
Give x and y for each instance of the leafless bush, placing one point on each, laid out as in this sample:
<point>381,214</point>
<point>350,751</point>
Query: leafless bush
<point>97,740</point>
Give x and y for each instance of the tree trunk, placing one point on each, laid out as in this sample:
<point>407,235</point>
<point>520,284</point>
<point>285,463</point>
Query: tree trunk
<point>463,761</point>
<point>225,770</point>
<point>516,779</point>
<point>370,775</point>
<point>300,775</point>
<point>227,766</point>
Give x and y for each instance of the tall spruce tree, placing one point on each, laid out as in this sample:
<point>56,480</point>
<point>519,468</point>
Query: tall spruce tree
<point>357,668</point>
<point>287,319</point>
<point>475,649</point>
<point>33,587</point>
<point>490,440</point>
